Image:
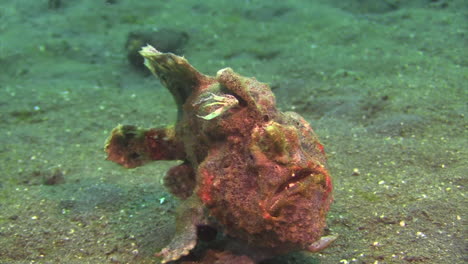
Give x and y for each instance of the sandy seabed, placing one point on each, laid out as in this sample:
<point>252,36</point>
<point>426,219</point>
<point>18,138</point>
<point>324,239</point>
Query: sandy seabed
<point>383,83</point>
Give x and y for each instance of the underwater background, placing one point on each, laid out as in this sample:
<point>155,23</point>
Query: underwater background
<point>383,83</point>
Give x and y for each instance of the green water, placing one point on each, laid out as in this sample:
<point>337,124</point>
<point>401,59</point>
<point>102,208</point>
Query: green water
<point>383,83</point>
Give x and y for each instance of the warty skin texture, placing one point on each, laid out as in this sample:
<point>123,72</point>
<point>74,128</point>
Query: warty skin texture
<point>253,172</point>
